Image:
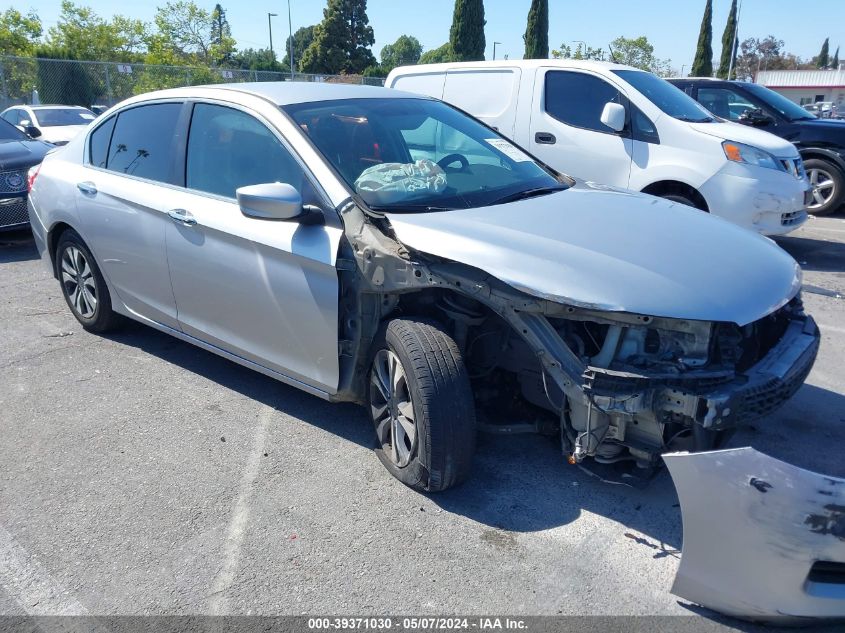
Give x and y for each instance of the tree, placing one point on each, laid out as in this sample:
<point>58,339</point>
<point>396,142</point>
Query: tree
<point>222,43</point>
<point>835,63</point>
<point>19,33</point>
<point>405,51</point>
<point>536,36</point>
<point>438,55</point>
<point>702,65</point>
<point>823,60</point>
<point>183,35</point>
<point>84,35</point>
<point>261,59</point>
<point>302,38</point>
<point>67,82</point>
<point>581,52</point>
<point>341,41</point>
<point>639,53</point>
<point>729,44</point>
<point>766,54</point>
<point>466,36</point>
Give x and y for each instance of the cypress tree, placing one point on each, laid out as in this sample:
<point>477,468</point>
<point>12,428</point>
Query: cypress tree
<point>835,63</point>
<point>341,41</point>
<point>702,66</point>
<point>466,36</point>
<point>537,32</point>
<point>729,44</point>
<point>824,56</point>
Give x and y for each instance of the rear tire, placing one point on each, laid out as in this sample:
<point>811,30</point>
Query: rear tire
<point>420,402</point>
<point>83,286</point>
<point>828,185</point>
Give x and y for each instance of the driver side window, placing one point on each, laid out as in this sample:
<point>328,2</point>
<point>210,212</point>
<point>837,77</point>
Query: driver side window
<point>725,103</point>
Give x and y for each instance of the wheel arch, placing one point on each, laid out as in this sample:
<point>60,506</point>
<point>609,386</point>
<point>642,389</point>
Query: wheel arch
<point>822,153</point>
<point>662,187</point>
<point>53,237</point>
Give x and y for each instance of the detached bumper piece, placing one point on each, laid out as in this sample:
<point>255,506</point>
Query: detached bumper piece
<point>763,540</point>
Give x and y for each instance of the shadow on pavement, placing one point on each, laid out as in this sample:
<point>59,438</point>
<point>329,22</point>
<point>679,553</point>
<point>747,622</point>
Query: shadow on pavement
<point>17,246</point>
<point>816,255</point>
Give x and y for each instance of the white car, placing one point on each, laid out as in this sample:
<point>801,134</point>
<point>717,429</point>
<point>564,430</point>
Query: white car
<point>623,127</point>
<point>57,124</point>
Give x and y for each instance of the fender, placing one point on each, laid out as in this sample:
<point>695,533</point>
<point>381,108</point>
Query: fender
<point>835,157</point>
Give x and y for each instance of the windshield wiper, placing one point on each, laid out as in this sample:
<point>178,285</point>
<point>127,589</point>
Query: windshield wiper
<point>528,193</point>
<point>399,208</point>
<point>687,119</point>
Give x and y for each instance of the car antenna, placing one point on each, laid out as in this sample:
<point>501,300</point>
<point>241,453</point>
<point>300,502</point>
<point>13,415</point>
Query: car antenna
<point>612,54</point>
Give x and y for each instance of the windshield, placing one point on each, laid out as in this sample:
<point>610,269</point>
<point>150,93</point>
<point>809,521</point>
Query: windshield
<point>419,155</point>
<point>792,111</point>
<point>670,99</point>
<point>54,117</point>
<point>9,132</point>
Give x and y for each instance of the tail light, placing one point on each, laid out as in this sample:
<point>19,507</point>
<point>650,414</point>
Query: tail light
<point>31,175</point>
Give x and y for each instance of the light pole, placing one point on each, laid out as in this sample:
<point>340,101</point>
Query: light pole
<point>494,49</point>
<point>270,26</point>
<point>290,33</point>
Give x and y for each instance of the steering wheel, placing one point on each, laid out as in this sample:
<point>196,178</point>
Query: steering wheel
<point>451,158</point>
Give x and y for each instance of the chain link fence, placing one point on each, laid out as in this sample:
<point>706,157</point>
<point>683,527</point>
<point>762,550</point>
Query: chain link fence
<point>37,80</point>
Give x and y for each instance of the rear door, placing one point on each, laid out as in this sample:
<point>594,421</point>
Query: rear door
<point>264,290</point>
<point>566,129</point>
<point>121,197</point>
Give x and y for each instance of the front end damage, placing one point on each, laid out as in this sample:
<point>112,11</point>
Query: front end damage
<point>627,389</point>
<point>617,386</point>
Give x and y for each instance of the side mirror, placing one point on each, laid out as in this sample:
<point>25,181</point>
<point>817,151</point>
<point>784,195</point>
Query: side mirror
<point>755,117</point>
<point>31,131</point>
<point>613,116</point>
<point>270,201</point>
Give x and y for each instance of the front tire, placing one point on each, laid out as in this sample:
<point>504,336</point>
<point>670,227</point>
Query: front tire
<point>421,405</point>
<point>828,185</point>
<point>83,286</point>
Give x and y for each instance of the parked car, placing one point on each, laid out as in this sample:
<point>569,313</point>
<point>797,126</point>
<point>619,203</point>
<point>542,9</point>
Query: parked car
<point>822,109</point>
<point>821,142</point>
<point>18,152</point>
<point>406,230</point>
<point>621,126</point>
<point>57,123</point>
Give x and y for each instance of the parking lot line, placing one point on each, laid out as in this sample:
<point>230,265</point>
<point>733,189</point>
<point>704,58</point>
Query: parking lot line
<point>26,582</point>
<point>218,603</point>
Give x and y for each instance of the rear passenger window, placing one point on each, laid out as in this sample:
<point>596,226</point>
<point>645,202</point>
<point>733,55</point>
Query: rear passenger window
<point>142,141</point>
<point>98,144</point>
<point>228,149</point>
<point>578,99</point>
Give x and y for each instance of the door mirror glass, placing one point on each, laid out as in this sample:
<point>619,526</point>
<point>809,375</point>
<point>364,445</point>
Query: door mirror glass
<point>613,116</point>
<point>270,201</point>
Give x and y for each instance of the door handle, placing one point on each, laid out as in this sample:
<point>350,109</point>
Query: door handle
<point>182,217</point>
<point>544,138</point>
<point>87,187</point>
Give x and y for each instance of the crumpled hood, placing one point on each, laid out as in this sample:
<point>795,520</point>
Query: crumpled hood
<point>739,133</point>
<point>614,250</point>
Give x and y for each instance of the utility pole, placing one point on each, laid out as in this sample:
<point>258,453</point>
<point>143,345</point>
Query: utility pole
<point>270,26</point>
<point>290,33</point>
<point>733,46</point>
<point>494,49</point>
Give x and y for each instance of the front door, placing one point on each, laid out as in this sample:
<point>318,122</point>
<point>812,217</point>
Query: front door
<point>264,290</point>
<point>567,132</point>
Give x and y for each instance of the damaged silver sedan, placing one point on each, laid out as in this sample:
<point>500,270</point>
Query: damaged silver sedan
<point>377,247</point>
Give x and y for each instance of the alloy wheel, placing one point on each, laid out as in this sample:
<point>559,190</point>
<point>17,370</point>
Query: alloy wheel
<point>78,281</point>
<point>391,408</point>
<point>824,187</point>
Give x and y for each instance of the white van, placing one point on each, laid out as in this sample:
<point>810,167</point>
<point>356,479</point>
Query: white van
<point>624,127</point>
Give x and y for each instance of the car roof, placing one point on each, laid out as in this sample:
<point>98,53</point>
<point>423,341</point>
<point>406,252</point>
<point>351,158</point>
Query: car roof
<point>282,92</point>
<point>515,63</point>
<point>54,106</point>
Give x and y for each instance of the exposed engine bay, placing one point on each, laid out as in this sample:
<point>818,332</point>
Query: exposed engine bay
<point>616,387</point>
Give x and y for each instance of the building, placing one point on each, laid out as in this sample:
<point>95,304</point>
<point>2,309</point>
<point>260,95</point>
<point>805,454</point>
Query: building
<point>806,86</point>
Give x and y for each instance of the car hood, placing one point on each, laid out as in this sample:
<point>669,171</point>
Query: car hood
<point>739,133</point>
<point>603,248</point>
<point>59,133</point>
<point>21,154</point>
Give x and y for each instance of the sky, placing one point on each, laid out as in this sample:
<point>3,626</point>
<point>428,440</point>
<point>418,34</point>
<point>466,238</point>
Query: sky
<point>671,25</point>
